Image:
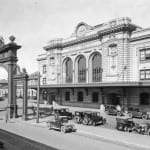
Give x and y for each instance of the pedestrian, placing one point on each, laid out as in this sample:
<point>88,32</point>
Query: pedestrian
<point>118,107</point>
<point>6,115</point>
<point>102,110</point>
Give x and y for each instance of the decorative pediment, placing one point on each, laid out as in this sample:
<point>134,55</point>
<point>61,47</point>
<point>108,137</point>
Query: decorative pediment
<point>81,29</point>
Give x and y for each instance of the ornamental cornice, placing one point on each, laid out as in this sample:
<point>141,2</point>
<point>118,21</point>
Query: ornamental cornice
<point>81,40</point>
<point>99,35</point>
<point>122,27</point>
<point>143,37</point>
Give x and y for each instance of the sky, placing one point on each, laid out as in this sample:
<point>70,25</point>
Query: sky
<point>35,22</point>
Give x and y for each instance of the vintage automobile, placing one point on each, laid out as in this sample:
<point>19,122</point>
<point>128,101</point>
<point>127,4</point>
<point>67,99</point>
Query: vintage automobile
<point>61,123</point>
<point>63,112</point>
<point>137,113</point>
<point>142,128</point>
<point>124,124</point>
<point>93,118</point>
<point>111,110</point>
<point>78,116</point>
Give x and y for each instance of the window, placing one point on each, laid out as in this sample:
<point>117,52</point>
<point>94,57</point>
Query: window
<point>95,97</point>
<point>82,69</point>
<point>44,81</point>
<point>80,96</point>
<point>96,68</point>
<point>145,54</point>
<point>67,96</point>
<point>144,99</point>
<point>69,70</point>
<point>52,60</point>
<point>44,69</point>
<point>145,74</point>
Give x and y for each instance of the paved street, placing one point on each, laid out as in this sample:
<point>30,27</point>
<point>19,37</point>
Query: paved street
<point>57,139</point>
<point>100,137</point>
<point>12,141</point>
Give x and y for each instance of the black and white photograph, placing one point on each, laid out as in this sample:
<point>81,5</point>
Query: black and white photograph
<point>74,75</point>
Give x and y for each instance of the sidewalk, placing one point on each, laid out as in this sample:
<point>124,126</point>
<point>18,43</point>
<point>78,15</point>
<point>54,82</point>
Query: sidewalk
<point>130,140</point>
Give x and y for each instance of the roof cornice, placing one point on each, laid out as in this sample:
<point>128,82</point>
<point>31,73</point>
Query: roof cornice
<point>98,35</point>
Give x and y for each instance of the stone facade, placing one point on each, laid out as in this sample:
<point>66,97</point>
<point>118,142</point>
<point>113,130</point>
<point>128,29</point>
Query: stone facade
<point>119,43</point>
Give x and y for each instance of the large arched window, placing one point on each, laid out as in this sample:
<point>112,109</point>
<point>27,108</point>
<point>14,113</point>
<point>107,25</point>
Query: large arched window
<point>96,68</point>
<point>69,70</point>
<point>82,69</point>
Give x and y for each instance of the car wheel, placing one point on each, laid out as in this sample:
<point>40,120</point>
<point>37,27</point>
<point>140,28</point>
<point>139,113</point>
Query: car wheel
<point>148,133</point>
<point>127,129</point>
<point>130,115</point>
<point>104,121</point>
<point>139,130</point>
<point>118,113</point>
<point>85,122</point>
<point>90,122</point>
<point>77,119</point>
<point>120,127</point>
<point>144,117</point>
<point>63,129</point>
<point>94,123</point>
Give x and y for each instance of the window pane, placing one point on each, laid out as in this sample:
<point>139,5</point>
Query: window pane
<point>142,74</point>
<point>82,69</point>
<point>67,96</point>
<point>44,69</point>
<point>144,99</point>
<point>96,68</point>
<point>69,70</point>
<point>95,97</point>
<point>142,55</point>
<point>80,96</point>
<point>148,74</point>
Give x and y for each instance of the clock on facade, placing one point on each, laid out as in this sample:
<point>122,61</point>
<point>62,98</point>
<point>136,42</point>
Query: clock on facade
<point>81,30</point>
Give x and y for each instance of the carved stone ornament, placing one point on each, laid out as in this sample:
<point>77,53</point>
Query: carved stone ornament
<point>1,42</point>
<point>81,31</point>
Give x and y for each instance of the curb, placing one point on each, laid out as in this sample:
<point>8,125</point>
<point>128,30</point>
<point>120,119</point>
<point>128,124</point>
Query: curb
<point>97,137</point>
<point>106,139</point>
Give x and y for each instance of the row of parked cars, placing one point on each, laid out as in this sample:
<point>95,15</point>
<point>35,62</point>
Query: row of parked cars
<point>131,112</point>
<point>128,125</point>
<point>62,115</point>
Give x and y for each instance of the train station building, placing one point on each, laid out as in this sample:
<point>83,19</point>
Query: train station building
<point>108,63</point>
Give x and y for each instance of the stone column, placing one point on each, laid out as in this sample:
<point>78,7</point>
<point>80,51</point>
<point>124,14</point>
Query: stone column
<point>15,106</point>
<point>10,108</point>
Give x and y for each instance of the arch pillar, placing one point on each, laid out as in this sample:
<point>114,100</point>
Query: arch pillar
<point>8,56</point>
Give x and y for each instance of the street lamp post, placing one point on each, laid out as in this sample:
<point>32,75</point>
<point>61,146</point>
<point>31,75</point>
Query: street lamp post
<point>38,97</point>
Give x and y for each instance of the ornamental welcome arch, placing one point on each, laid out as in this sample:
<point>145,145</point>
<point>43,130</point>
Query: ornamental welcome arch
<point>8,60</point>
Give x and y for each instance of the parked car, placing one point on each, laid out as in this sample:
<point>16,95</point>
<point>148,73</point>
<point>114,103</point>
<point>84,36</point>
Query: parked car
<point>93,118</point>
<point>63,112</point>
<point>137,113</point>
<point>124,124</point>
<point>142,128</point>
<point>61,123</point>
<point>78,116</point>
<point>112,110</point>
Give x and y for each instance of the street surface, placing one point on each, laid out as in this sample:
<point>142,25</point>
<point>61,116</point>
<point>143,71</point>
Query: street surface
<point>102,137</point>
<point>56,139</point>
<point>15,142</point>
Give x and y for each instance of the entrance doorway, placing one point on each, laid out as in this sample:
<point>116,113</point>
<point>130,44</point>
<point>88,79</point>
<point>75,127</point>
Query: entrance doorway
<point>52,97</point>
<point>113,99</point>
